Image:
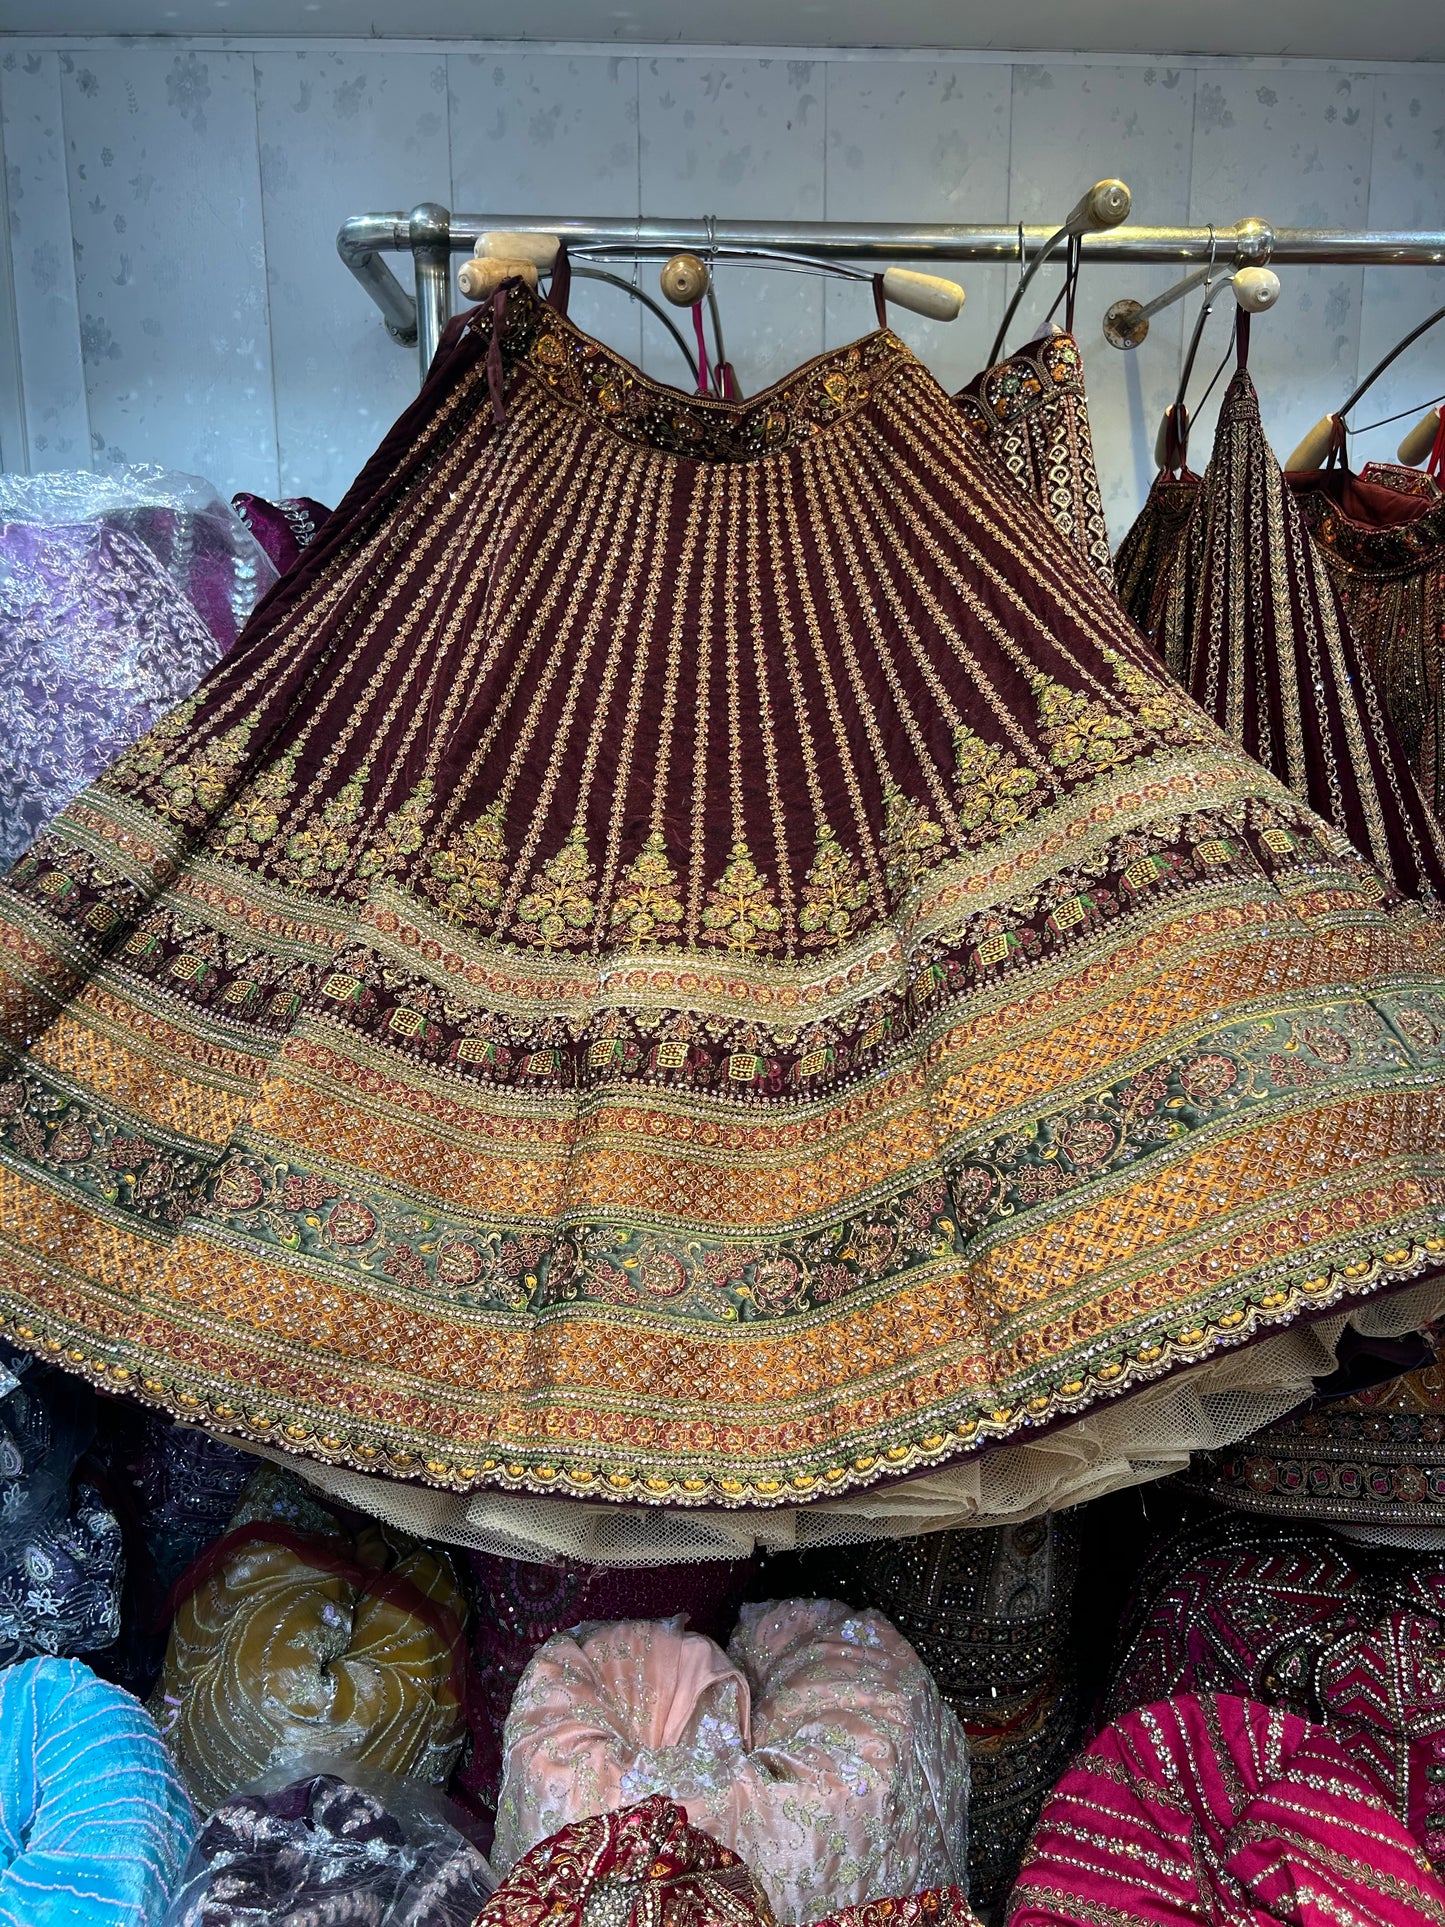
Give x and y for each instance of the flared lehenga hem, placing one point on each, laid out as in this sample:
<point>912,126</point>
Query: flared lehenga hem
<point>688,959</point>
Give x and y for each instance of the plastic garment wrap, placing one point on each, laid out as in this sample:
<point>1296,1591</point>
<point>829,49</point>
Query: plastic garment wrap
<point>520,1604</point>
<point>646,1866</point>
<point>1149,1436</point>
<point>1218,1810</point>
<point>989,1612</point>
<point>117,594</point>
<point>1294,1616</point>
<point>289,1642</point>
<point>320,1852</point>
<point>817,1747</point>
<point>94,1824</point>
<point>213,559</point>
<point>1369,1463</point>
<point>282,528</point>
<point>61,1558</point>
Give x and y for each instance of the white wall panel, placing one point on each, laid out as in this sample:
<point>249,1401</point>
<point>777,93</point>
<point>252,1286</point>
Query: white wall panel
<point>47,316</point>
<point>1292,145</point>
<point>204,320</point>
<point>1407,189</point>
<point>1073,126</point>
<point>914,142</point>
<point>733,138</point>
<point>340,380</point>
<point>165,206</point>
<point>551,133</point>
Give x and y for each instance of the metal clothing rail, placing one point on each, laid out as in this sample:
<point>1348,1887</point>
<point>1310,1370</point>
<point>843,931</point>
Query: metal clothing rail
<point>432,235</point>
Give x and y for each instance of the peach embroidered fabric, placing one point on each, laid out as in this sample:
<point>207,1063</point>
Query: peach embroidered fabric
<point>817,1747</point>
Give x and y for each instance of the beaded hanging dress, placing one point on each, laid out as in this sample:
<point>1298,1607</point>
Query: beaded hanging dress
<point>1146,554</point>
<point>688,957</point>
<point>1032,414</point>
<point>1251,624</point>
<point>1383,545</point>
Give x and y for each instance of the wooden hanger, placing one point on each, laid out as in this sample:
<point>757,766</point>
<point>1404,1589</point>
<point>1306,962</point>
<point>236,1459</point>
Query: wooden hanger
<point>1316,446</point>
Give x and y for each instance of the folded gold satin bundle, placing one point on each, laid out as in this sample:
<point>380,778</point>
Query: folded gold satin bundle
<point>291,1641</point>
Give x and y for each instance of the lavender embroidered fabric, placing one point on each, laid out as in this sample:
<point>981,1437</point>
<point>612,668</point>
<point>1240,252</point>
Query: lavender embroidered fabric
<point>117,595</point>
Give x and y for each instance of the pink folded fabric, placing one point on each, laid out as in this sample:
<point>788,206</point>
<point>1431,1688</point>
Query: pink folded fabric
<point>1208,1809</point>
<point>817,1748</point>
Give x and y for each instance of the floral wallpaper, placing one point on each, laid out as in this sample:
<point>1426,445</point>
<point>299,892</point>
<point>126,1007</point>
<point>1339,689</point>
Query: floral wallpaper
<point>173,207</point>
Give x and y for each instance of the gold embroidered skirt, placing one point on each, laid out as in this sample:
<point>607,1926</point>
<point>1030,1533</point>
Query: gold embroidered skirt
<point>692,956</point>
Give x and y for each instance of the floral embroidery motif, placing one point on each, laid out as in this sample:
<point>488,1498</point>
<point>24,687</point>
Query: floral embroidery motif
<point>912,842</point>
<point>833,895</point>
<point>254,818</point>
<point>996,792</point>
<point>316,855</point>
<point>648,908</point>
<point>740,909</point>
<point>1082,730</point>
<point>400,837</point>
<point>190,791</point>
<point>1167,711</point>
<point>559,908</point>
<point>469,870</point>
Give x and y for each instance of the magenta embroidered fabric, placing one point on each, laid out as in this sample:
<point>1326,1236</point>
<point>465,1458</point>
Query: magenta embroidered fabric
<point>1297,1617</point>
<point>1218,1810</point>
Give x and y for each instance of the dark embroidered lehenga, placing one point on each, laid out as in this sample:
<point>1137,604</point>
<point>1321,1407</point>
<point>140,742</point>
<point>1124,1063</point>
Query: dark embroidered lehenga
<point>1248,620</point>
<point>690,956</point>
<point>1384,550</point>
<point>1032,415</point>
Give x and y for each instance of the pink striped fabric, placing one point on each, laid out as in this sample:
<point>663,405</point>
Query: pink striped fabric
<point>1208,1809</point>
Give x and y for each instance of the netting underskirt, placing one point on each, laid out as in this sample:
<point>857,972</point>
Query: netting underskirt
<point>1147,1437</point>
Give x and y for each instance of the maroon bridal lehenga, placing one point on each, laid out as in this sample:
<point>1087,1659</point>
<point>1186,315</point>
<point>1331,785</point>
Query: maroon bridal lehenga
<point>692,957</point>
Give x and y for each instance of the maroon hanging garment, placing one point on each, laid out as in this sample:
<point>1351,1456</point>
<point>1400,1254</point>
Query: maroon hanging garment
<point>1251,624</point>
<point>1142,560</point>
<point>1383,545</point>
<point>1032,415</point>
<point>690,958</point>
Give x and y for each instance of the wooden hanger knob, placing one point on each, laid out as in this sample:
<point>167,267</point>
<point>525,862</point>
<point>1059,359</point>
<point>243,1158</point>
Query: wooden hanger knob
<point>1106,204</point>
<point>1420,440</point>
<point>1315,446</point>
<point>926,294</point>
<point>479,279</point>
<point>501,244</point>
<point>1256,289</point>
<point>685,280</point>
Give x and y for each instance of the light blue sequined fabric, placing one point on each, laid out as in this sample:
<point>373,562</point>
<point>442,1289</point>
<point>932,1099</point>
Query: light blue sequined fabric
<point>94,1826</point>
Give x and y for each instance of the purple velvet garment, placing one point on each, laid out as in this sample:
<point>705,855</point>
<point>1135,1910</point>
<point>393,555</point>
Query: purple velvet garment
<point>186,1486</point>
<point>117,595</point>
<point>282,528</point>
